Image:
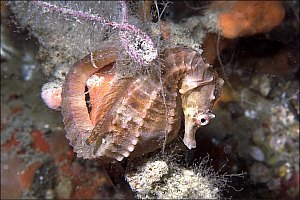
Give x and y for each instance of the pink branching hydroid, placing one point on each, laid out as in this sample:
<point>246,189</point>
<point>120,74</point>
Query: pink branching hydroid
<point>137,43</point>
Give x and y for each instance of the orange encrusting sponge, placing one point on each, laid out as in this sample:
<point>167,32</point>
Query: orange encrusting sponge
<point>245,18</point>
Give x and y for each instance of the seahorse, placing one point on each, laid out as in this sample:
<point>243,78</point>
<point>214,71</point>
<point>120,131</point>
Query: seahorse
<point>131,117</point>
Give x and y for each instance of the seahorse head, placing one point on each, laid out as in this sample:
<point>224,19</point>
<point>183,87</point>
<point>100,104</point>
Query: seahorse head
<point>198,91</point>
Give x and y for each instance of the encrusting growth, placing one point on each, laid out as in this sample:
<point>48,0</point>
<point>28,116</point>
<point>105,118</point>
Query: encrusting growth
<point>137,44</point>
<point>160,177</point>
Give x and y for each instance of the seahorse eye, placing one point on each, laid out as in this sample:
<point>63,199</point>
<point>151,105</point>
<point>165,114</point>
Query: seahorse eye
<point>202,120</point>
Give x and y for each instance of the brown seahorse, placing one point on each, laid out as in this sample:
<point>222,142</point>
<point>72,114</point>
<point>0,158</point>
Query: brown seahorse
<point>132,118</point>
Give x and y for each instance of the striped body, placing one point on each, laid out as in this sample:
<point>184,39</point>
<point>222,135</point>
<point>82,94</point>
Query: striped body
<point>133,118</point>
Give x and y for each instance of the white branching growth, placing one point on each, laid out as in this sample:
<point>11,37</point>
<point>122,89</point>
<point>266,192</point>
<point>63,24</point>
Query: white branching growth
<point>138,46</point>
<point>161,177</point>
